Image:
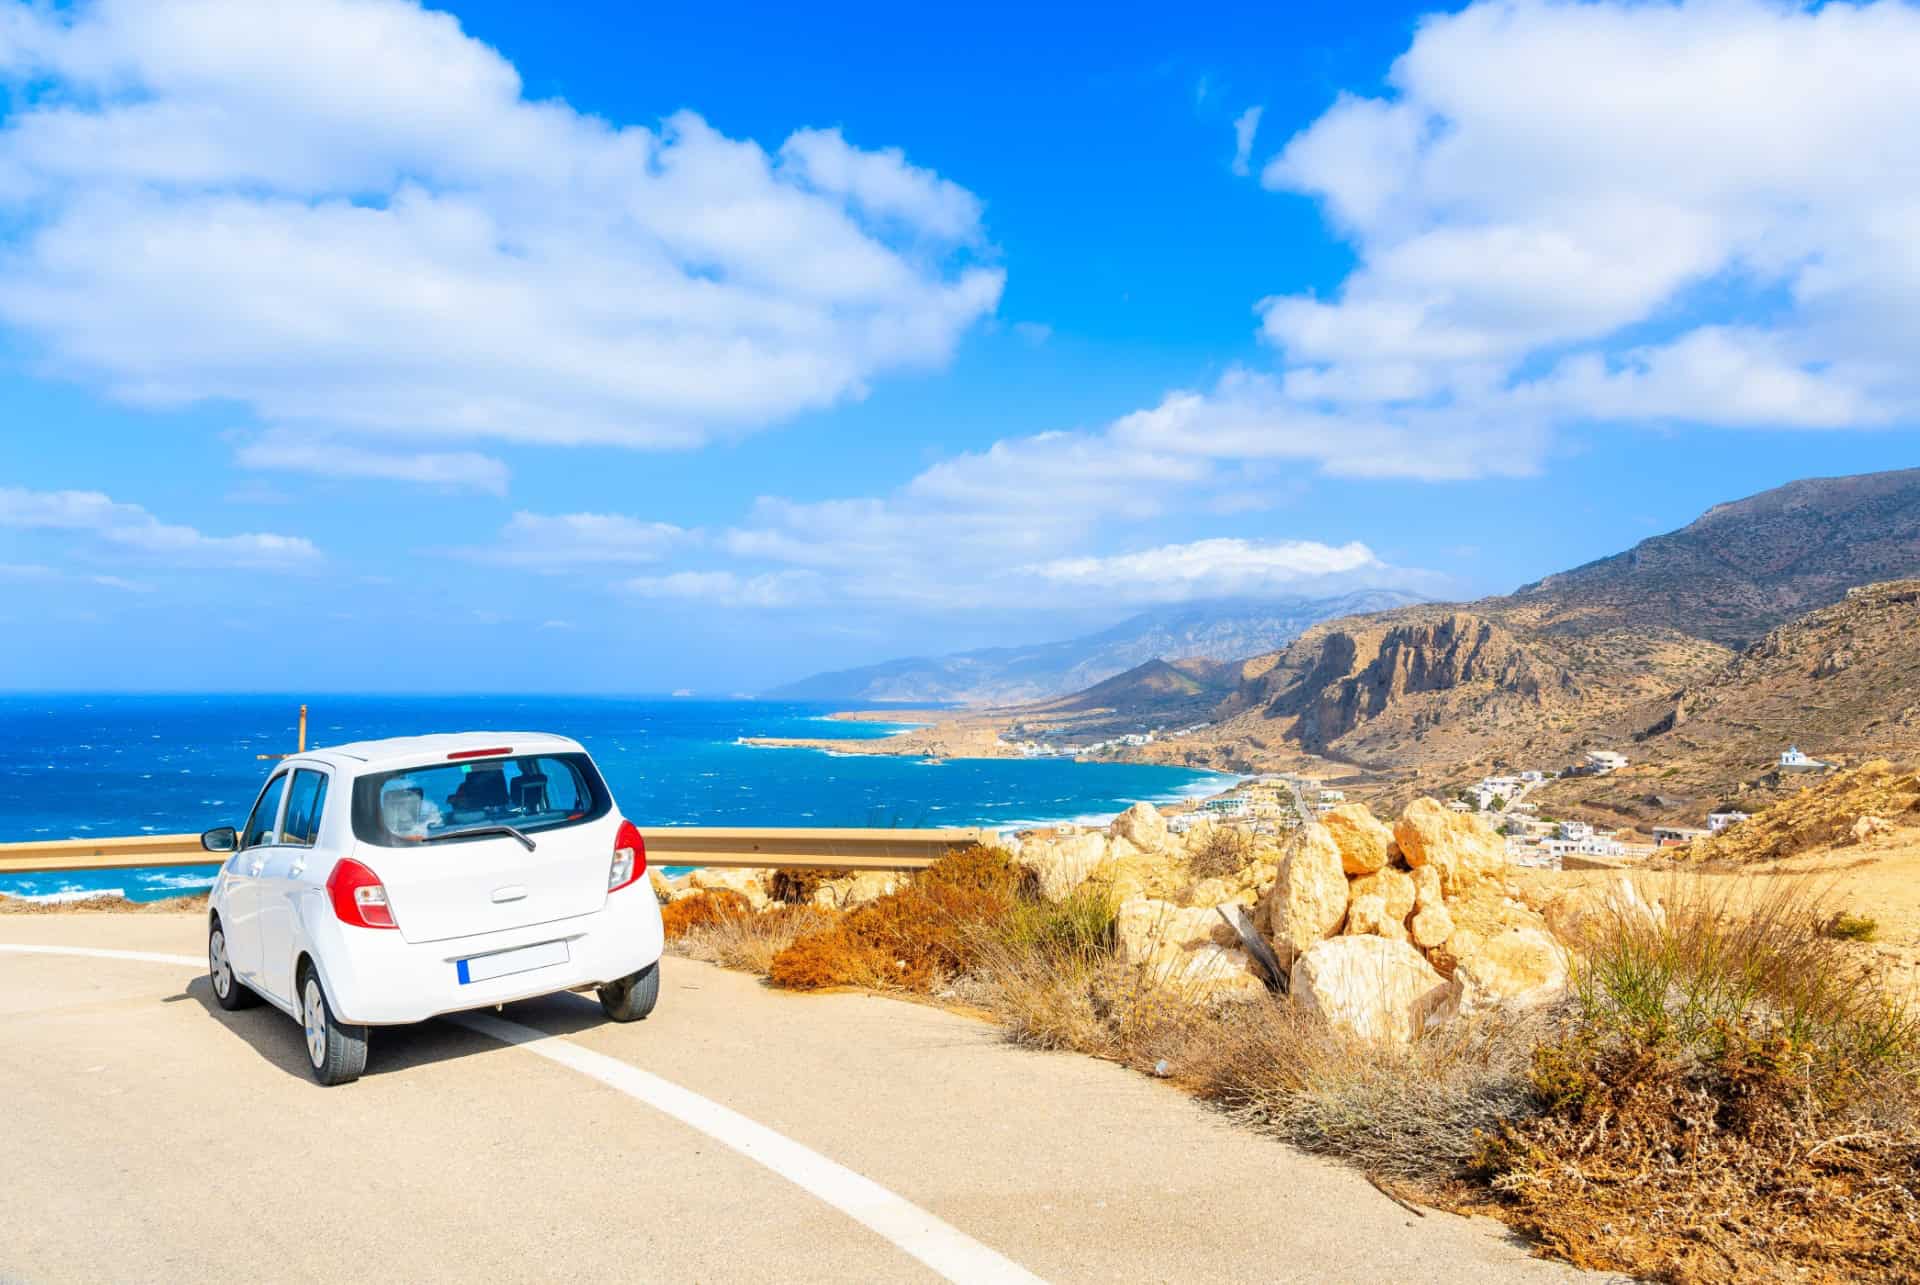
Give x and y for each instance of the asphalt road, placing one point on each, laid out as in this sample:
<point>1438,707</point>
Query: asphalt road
<point>146,1135</point>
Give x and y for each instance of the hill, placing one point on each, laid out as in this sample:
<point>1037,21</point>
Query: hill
<point>1216,630</point>
<point>1744,567</point>
<point>1588,657</point>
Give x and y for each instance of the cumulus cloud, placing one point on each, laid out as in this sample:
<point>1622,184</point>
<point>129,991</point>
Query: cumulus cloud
<point>292,453</point>
<point>1245,126</point>
<point>1214,568</point>
<point>562,541</point>
<point>726,589</point>
<point>1695,212</point>
<point>347,213</point>
<point>131,529</point>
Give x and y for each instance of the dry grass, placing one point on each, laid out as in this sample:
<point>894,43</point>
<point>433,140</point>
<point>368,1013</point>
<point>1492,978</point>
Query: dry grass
<point>751,942</point>
<point>1735,1097</point>
<point>105,905</point>
<point>1225,850</point>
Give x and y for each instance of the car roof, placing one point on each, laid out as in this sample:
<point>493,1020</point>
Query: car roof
<point>418,751</point>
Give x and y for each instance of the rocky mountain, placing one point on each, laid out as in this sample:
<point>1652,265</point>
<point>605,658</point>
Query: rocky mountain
<point>1215,630</point>
<point>1591,655</point>
<point>1744,567</point>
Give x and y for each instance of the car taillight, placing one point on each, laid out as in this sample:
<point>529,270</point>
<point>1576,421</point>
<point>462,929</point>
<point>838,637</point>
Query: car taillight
<point>358,896</point>
<point>629,857</point>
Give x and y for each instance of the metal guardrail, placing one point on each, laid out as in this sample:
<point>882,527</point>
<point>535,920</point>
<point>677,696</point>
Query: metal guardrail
<point>666,846</point>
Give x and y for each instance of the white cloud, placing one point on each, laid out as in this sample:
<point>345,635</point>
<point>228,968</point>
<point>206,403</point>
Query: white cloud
<point>298,453</point>
<point>1696,212</point>
<point>1245,126</point>
<point>129,528</point>
<point>725,588</point>
<point>1214,568</point>
<point>560,541</point>
<point>346,214</point>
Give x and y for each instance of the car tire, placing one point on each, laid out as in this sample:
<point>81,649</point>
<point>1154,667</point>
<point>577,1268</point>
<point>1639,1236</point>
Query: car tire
<point>633,996</point>
<point>336,1051</point>
<point>228,990</point>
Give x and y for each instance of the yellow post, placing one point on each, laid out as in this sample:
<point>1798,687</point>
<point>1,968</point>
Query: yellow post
<point>303,729</point>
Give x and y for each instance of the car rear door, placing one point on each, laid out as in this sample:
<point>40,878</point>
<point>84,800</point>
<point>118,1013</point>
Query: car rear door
<point>461,887</point>
<point>241,921</point>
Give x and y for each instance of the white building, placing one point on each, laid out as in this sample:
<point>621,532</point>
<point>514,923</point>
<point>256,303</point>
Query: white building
<point>1228,807</point>
<point>1606,760</point>
<point>1573,831</point>
<point>1667,836</point>
<point>1593,845</point>
<point>1330,797</point>
<point>1718,821</point>
<point>1533,776</point>
<point>1792,760</point>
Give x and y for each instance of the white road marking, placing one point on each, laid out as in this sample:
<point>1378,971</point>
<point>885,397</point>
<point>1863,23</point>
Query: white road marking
<point>940,1245</point>
<point>142,956</point>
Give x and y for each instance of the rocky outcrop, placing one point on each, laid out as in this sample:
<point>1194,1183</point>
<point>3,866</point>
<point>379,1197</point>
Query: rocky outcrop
<point>1365,843</point>
<point>1461,847</point>
<point>1373,987</point>
<point>1309,899</point>
<point>1142,826</point>
<point>1521,966</point>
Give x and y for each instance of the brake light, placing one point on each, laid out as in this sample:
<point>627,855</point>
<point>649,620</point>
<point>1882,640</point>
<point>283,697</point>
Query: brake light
<point>629,857</point>
<point>479,754</point>
<point>359,898</point>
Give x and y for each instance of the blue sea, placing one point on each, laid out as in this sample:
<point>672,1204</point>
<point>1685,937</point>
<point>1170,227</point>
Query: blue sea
<point>90,766</point>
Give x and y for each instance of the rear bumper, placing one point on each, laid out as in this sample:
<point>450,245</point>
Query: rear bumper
<point>374,977</point>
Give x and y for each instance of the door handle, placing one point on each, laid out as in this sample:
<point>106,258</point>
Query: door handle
<point>512,892</point>
<point>256,867</point>
<point>297,869</point>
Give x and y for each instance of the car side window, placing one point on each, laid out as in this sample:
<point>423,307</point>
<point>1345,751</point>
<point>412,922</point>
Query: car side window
<point>306,800</point>
<point>260,826</point>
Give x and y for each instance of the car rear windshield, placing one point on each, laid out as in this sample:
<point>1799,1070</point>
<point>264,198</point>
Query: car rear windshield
<point>530,792</point>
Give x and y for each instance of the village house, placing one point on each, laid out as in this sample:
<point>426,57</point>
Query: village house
<point>1718,821</point>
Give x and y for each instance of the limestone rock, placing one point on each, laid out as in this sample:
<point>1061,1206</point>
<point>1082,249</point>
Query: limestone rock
<point>1426,887</point>
<point>1395,887</point>
<point>1143,826</point>
<point>1061,863</point>
<point>1521,966</point>
<point>1431,925</point>
<point>853,890</point>
<point>1212,971</point>
<point>661,885</point>
<point>1372,986</point>
<point>1461,846</point>
<point>1369,914</point>
<point>1446,957</point>
<point>1309,899</point>
<point>1145,928</point>
<point>750,884</point>
<point>1868,826</point>
<point>1365,843</point>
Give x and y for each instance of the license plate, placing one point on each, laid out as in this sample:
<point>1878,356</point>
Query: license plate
<point>504,963</point>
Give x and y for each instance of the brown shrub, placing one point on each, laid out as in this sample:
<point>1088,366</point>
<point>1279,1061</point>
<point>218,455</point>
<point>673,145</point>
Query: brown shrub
<point>703,909</point>
<point>796,887</point>
<point>825,959</point>
<point>915,938</point>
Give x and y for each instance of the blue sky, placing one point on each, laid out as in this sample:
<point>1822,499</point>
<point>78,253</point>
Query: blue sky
<point>350,345</point>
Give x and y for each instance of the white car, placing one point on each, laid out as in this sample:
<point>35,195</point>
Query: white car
<point>390,881</point>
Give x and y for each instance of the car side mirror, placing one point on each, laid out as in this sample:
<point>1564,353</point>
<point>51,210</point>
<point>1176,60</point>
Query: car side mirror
<point>222,838</point>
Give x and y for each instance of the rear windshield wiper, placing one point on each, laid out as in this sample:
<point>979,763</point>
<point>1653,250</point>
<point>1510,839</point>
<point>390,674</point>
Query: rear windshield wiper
<point>472,830</point>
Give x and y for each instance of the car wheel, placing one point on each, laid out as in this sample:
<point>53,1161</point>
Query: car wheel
<point>633,996</point>
<point>228,989</point>
<point>337,1052</point>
